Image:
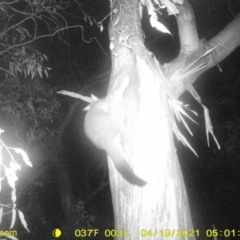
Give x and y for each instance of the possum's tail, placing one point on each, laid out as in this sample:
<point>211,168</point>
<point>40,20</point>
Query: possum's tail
<point>122,166</point>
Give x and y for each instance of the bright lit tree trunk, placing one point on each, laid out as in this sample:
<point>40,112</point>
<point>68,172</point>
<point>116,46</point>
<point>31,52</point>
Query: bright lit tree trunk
<point>140,102</point>
<point>141,94</point>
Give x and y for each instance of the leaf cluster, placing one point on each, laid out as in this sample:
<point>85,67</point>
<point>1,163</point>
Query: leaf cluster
<point>28,62</point>
<point>83,218</point>
<point>8,167</point>
<point>29,108</point>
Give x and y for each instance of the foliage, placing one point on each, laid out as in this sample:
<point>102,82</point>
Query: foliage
<point>21,22</point>
<point>41,217</point>
<point>28,111</point>
<point>28,108</point>
<point>27,61</point>
<point>8,168</point>
<point>83,219</point>
<point>25,21</point>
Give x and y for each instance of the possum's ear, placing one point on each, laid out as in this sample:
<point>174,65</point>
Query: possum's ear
<point>87,107</point>
<point>93,99</point>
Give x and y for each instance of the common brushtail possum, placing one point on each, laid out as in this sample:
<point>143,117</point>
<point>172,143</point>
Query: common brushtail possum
<point>101,128</point>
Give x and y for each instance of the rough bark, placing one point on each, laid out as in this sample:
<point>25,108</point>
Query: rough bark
<point>139,102</point>
<point>140,91</point>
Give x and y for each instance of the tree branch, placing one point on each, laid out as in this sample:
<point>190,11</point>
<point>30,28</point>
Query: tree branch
<point>188,35</point>
<point>182,71</point>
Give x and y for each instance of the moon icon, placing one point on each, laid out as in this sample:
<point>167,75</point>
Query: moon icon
<point>56,232</point>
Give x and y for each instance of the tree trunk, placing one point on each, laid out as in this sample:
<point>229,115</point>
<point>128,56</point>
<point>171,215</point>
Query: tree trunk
<point>139,94</point>
<point>143,99</point>
<point>66,195</point>
<point>142,96</point>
